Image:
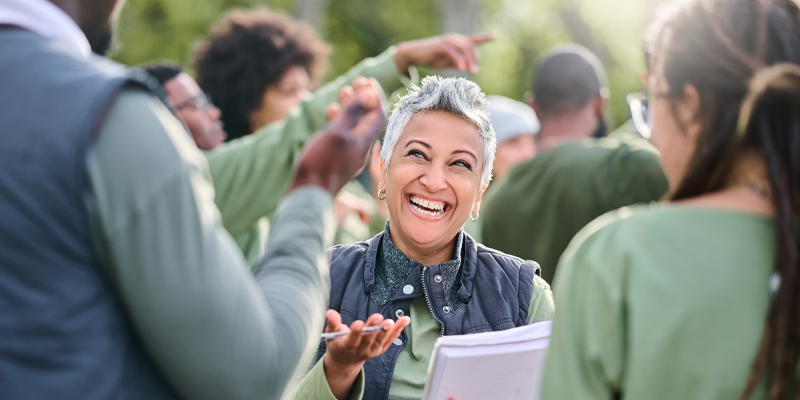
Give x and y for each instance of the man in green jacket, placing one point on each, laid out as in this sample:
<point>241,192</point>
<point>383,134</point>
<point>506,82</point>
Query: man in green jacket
<point>251,174</point>
<point>542,203</point>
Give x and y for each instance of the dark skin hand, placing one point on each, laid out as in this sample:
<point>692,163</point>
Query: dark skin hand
<point>346,355</point>
<point>335,154</point>
<point>447,51</point>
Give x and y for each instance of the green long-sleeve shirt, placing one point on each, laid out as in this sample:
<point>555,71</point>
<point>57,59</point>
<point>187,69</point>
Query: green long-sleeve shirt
<point>211,328</point>
<point>251,174</point>
<point>662,302</point>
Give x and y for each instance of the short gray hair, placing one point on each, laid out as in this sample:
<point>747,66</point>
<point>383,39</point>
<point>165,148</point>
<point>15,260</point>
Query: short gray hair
<point>457,96</point>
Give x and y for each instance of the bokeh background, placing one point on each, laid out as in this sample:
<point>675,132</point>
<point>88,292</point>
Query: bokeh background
<point>614,29</point>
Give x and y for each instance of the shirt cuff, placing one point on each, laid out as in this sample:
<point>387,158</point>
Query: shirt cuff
<point>315,385</point>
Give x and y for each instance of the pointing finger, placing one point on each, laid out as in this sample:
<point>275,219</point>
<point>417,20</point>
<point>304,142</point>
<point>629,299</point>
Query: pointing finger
<point>477,39</point>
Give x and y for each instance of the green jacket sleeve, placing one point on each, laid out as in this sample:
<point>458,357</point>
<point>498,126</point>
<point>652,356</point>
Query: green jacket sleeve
<point>252,173</point>
<point>541,307</point>
<point>211,329</point>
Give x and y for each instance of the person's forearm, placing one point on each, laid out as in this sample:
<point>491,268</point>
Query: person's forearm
<point>340,377</point>
<point>252,173</point>
<point>208,327</point>
<point>317,385</point>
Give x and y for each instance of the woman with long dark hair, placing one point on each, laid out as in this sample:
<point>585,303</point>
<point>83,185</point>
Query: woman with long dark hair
<point>698,298</point>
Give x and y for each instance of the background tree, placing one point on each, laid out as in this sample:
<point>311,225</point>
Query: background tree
<point>167,29</point>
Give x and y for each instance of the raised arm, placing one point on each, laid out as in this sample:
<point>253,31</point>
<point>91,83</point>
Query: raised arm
<point>210,328</point>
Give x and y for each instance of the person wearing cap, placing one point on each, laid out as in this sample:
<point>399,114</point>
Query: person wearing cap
<point>577,175</point>
<point>515,126</point>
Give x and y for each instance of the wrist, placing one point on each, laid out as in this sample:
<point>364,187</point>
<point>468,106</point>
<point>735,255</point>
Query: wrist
<point>305,179</point>
<point>401,58</point>
<point>342,372</point>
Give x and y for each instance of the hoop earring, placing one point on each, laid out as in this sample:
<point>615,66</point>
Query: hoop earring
<point>379,194</point>
<point>476,215</point>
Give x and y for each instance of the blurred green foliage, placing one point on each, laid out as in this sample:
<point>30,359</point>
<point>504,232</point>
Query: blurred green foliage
<point>167,29</point>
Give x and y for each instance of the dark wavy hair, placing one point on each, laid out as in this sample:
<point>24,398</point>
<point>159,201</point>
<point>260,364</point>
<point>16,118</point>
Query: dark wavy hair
<point>743,56</point>
<point>247,52</point>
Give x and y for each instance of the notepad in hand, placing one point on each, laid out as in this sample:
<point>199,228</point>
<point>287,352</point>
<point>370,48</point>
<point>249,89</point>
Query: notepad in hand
<point>494,365</point>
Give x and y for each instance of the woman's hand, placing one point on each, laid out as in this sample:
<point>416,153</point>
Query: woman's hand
<point>347,354</point>
<point>447,51</point>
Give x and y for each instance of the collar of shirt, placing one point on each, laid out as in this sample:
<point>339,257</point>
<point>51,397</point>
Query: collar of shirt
<point>393,267</point>
<point>45,19</point>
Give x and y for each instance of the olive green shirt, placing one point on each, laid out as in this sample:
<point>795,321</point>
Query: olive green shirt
<point>212,329</point>
<point>542,203</point>
<point>252,173</point>
<point>661,302</point>
<point>411,367</point>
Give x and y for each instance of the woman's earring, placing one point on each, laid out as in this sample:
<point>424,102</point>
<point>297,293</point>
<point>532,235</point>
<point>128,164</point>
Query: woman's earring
<point>475,216</point>
<point>379,194</point>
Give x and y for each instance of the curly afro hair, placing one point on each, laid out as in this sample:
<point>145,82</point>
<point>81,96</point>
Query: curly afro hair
<point>249,51</point>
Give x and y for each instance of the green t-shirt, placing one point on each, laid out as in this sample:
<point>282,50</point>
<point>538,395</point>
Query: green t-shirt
<point>664,302</point>
<point>542,203</point>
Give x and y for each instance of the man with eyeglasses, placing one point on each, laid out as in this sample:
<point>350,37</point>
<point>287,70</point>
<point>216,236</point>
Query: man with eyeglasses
<point>535,212</point>
<point>193,106</point>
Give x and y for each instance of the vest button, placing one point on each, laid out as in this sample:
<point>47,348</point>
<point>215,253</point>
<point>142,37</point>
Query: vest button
<point>446,309</point>
<point>398,342</point>
<point>408,289</point>
<point>438,278</point>
<point>399,313</point>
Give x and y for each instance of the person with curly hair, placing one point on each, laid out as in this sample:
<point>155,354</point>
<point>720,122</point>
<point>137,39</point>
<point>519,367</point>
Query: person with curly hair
<point>257,65</point>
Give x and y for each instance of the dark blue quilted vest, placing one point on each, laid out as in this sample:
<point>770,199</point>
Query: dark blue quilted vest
<point>63,331</point>
<point>495,287</point>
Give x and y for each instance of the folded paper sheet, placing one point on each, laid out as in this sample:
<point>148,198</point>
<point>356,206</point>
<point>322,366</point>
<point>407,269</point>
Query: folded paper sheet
<point>505,365</point>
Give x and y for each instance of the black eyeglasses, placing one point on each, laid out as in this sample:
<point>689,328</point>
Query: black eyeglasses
<point>641,112</point>
<point>201,103</point>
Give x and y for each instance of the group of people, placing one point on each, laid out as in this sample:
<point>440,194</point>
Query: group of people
<point>154,244</point>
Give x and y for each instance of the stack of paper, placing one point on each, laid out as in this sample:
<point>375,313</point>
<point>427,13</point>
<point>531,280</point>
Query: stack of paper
<point>503,365</point>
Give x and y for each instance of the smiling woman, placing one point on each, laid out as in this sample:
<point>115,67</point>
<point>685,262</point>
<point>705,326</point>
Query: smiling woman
<point>435,164</point>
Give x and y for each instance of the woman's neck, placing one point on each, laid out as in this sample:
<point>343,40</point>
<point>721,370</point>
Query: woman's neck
<point>429,255</point>
<point>747,188</point>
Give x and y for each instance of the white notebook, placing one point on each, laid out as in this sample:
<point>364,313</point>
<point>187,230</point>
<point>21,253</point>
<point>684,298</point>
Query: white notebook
<point>494,365</point>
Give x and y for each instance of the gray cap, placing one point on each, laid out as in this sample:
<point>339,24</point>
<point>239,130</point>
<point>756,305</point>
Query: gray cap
<point>511,118</point>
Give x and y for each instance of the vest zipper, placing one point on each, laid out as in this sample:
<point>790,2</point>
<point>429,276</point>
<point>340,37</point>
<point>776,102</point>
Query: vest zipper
<point>428,300</point>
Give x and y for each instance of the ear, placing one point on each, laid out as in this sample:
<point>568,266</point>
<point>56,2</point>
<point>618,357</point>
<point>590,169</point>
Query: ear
<point>480,197</point>
<point>600,105</point>
<point>535,106</point>
<point>382,180</point>
<point>689,111</point>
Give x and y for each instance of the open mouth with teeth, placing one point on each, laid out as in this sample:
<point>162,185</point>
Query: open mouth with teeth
<point>427,207</point>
